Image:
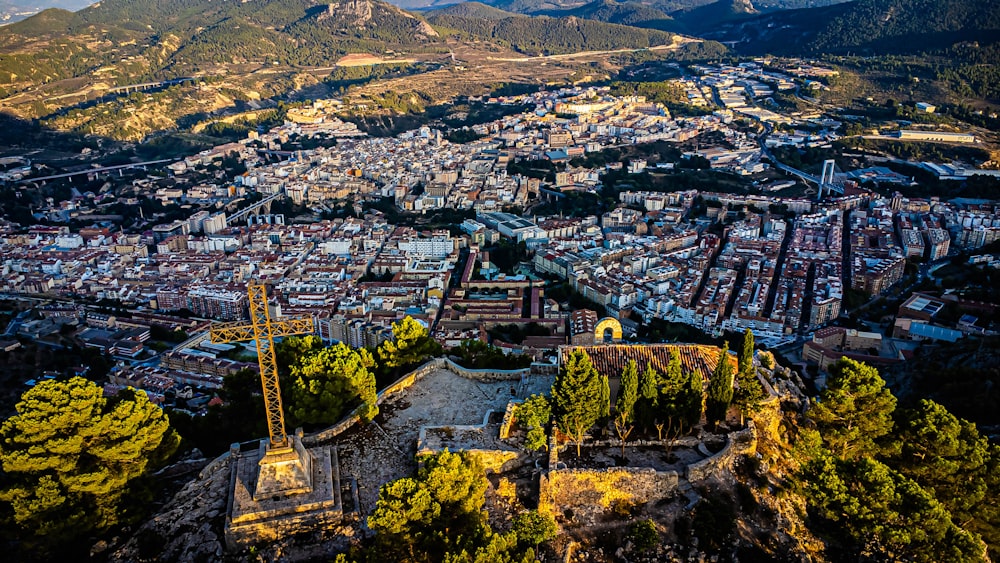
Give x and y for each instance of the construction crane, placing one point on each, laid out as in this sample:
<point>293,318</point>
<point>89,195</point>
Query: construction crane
<point>262,330</point>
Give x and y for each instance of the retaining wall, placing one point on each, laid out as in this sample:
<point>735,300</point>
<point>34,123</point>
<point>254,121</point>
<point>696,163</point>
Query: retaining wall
<point>485,375</point>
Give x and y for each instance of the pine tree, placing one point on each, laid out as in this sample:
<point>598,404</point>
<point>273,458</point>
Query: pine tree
<point>628,394</point>
<point>70,454</point>
<point>411,344</point>
<point>720,388</point>
<point>749,392</point>
<point>605,397</point>
<point>693,404</point>
<point>854,410</point>
<point>577,396</point>
<point>327,382</point>
<point>646,405</point>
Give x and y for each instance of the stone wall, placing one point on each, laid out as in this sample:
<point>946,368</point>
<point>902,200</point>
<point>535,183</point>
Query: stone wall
<point>354,417</point>
<point>493,461</point>
<point>590,488</point>
<point>737,443</point>
<point>487,375</point>
<point>508,419</point>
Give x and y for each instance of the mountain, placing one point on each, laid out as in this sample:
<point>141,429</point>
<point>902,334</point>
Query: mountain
<point>125,41</point>
<point>16,11</point>
<point>869,27</point>
<point>472,10</point>
<point>622,13</point>
<point>709,16</point>
<point>545,35</point>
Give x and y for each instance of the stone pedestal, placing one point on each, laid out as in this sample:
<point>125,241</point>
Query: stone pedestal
<point>277,492</point>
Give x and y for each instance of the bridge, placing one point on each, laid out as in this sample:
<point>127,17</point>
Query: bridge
<point>90,171</point>
<point>826,181</point>
<point>262,206</point>
<point>129,88</point>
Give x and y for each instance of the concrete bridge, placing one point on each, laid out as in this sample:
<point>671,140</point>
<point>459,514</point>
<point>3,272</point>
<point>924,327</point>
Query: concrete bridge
<point>261,207</point>
<point>89,171</point>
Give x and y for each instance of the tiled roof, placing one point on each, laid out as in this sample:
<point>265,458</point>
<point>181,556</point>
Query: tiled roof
<point>610,359</point>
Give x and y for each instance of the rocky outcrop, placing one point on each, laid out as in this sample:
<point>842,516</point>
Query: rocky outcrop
<point>189,528</point>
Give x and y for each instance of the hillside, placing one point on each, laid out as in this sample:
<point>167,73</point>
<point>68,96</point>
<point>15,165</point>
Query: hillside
<point>544,35</point>
<point>623,13</point>
<point>869,27</point>
<point>126,41</point>
<point>709,16</point>
<point>472,10</point>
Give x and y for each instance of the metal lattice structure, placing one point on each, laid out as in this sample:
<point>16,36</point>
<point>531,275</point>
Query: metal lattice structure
<point>263,331</point>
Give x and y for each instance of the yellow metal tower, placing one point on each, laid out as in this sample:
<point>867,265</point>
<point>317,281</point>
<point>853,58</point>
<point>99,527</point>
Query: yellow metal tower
<point>263,331</point>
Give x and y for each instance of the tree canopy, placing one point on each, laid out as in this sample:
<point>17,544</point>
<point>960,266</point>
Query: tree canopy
<point>437,516</point>
<point>534,415</point>
<point>916,492</point>
<point>69,455</point>
<point>326,383</point>
<point>681,398</point>
<point>720,388</point>
<point>577,396</point>
<point>749,392</point>
<point>411,344</point>
<point>854,410</point>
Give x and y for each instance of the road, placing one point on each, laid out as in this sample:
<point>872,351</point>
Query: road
<point>94,170</point>
<point>678,41</point>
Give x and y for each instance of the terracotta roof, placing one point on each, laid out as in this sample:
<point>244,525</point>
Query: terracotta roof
<point>610,359</point>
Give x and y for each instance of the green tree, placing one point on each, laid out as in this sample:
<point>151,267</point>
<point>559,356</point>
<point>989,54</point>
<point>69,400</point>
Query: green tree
<point>327,382</point>
<point>411,344</point>
<point>643,534</point>
<point>439,510</point>
<point>289,350</point>
<point>646,405</point>
<point>854,410</point>
<point>681,397</point>
<point>720,388</point>
<point>605,398</point>
<point>534,414</point>
<point>70,455</point>
<point>883,513</point>
<point>577,396</point>
<point>949,457</point>
<point>749,392</point>
<point>746,353</point>
<point>628,393</point>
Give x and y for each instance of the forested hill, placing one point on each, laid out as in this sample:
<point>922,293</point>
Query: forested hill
<point>472,10</point>
<point>133,40</point>
<point>870,27</point>
<point>623,13</point>
<point>544,35</point>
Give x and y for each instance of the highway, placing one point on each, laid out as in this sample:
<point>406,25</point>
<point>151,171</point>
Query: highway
<point>94,171</point>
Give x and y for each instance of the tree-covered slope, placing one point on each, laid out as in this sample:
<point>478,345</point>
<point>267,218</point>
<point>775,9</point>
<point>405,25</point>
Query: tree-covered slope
<point>136,40</point>
<point>870,27</point>
<point>472,10</point>
<point>623,13</point>
<point>544,35</point>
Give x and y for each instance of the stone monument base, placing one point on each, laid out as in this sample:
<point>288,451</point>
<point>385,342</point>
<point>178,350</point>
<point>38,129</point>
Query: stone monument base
<point>260,512</point>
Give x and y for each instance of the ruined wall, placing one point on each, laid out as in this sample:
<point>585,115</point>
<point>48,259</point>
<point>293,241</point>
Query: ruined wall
<point>354,417</point>
<point>737,443</point>
<point>487,375</point>
<point>493,460</point>
<point>589,488</point>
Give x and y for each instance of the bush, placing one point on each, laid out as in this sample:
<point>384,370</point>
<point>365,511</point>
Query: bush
<point>643,535</point>
<point>533,527</point>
